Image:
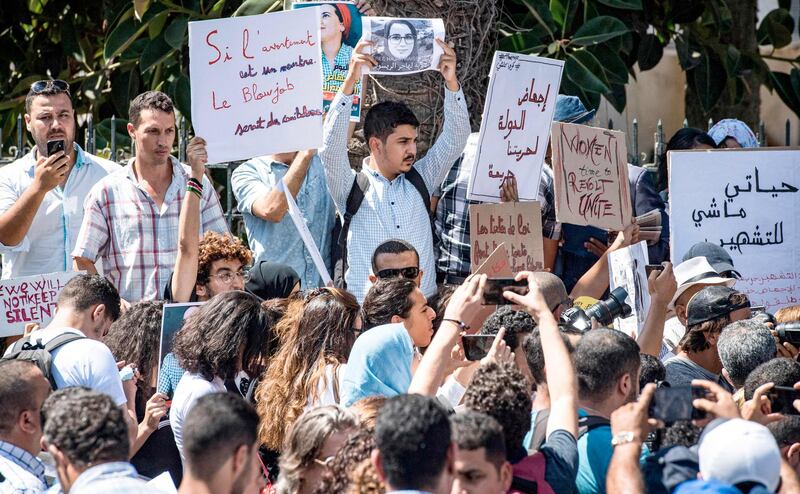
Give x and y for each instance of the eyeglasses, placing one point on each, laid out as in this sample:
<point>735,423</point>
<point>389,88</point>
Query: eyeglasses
<point>409,273</point>
<point>227,277</point>
<point>324,463</point>
<point>407,39</point>
<point>50,85</point>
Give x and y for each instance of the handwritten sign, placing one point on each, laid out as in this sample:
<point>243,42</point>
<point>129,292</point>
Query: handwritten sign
<point>517,224</point>
<point>590,170</point>
<point>745,201</point>
<point>340,30</point>
<point>626,268</point>
<point>30,299</point>
<point>516,123</point>
<point>497,264</point>
<point>256,82</point>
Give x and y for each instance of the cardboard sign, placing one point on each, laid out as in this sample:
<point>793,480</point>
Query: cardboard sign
<point>745,201</point>
<point>516,122</point>
<point>30,299</point>
<point>340,30</point>
<point>517,224</point>
<point>256,82</point>
<point>590,170</point>
<point>626,268</point>
<point>497,264</point>
<point>404,46</point>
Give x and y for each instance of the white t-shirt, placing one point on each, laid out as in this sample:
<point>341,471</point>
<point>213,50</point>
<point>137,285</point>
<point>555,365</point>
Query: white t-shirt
<point>325,390</point>
<point>83,362</point>
<point>190,388</point>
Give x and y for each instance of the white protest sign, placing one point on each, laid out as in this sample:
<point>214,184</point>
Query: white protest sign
<point>256,84</point>
<point>31,299</point>
<point>590,171</point>
<point>626,269</point>
<point>403,46</point>
<point>305,234</point>
<point>516,123</point>
<point>745,201</point>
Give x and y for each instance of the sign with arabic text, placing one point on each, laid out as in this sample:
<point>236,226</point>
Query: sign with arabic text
<point>256,83</point>
<point>515,129</point>
<point>517,224</point>
<point>745,201</point>
<point>590,171</point>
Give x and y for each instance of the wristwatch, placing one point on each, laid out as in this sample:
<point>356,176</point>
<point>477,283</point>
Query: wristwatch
<point>623,438</point>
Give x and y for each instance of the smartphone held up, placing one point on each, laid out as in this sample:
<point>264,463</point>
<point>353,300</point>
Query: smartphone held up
<point>493,291</point>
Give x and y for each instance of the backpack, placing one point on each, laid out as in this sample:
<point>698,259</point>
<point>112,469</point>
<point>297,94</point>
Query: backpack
<point>354,199</point>
<point>529,476</point>
<point>39,354</point>
<point>591,422</point>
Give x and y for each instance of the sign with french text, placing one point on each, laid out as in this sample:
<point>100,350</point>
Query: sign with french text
<point>30,299</point>
<point>256,83</point>
<point>515,129</point>
<point>517,224</point>
<point>745,201</point>
<point>590,171</point>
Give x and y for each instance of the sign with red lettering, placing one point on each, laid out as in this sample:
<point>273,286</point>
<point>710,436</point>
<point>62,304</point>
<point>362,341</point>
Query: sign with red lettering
<point>517,224</point>
<point>256,82</point>
<point>31,299</point>
<point>590,168</point>
<point>515,129</point>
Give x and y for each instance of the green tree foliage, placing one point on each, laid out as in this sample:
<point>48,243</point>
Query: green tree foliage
<point>601,41</point>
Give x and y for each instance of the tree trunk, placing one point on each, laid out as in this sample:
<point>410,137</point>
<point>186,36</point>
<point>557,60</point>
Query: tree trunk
<point>743,36</point>
<point>471,26</point>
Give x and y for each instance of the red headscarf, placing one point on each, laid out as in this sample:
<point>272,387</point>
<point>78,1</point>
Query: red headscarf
<point>344,12</point>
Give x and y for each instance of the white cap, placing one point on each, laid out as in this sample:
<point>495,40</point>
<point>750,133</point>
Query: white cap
<point>739,450</point>
<point>696,271</point>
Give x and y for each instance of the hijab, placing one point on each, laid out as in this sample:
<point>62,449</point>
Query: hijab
<point>379,364</point>
<point>730,127</point>
<point>272,280</point>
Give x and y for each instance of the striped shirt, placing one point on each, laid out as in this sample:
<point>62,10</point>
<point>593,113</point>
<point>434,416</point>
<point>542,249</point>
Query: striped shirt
<point>391,209</point>
<point>119,477</point>
<point>137,241</point>
<point>20,471</point>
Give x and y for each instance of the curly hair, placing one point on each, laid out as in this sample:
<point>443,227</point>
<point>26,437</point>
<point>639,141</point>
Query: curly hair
<point>501,391</point>
<point>135,338</point>
<point>695,339</point>
<point>337,477</point>
<point>305,441</point>
<point>212,338</point>
<point>518,323</point>
<point>87,426</point>
<point>321,336</point>
<point>215,247</point>
<point>366,480</point>
<point>387,298</point>
<point>367,410</point>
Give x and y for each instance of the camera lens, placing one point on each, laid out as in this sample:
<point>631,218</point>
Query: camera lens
<point>606,310</point>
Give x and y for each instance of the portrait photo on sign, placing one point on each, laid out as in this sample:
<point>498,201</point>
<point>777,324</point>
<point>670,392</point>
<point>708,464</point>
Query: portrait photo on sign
<point>340,30</point>
<point>404,46</point>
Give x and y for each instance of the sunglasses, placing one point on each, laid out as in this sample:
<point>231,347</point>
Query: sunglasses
<point>50,85</point>
<point>409,273</point>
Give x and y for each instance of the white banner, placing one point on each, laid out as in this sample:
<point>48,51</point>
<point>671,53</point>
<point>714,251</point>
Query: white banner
<point>256,84</point>
<point>745,201</point>
<point>30,299</point>
<point>516,123</point>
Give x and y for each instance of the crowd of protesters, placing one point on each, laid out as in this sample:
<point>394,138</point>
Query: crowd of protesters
<point>277,383</point>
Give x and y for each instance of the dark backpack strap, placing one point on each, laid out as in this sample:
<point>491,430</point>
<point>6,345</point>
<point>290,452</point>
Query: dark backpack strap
<point>590,422</point>
<point>339,246</point>
<point>525,486</point>
<point>418,182</point>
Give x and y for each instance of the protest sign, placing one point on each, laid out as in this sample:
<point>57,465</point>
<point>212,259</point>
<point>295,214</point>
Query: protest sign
<point>404,46</point>
<point>340,30</point>
<point>745,201</point>
<point>626,268</point>
<point>172,319</point>
<point>590,171</point>
<point>497,264</point>
<point>517,224</point>
<point>256,82</point>
<point>516,123</point>
<point>30,299</point>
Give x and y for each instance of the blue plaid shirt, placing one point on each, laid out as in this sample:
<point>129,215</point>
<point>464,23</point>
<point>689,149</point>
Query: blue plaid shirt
<point>170,375</point>
<point>20,471</point>
<point>391,209</point>
<point>119,477</point>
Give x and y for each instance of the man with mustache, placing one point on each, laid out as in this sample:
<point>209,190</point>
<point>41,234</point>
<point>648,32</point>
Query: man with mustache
<point>393,205</point>
<point>131,219</point>
<point>41,195</point>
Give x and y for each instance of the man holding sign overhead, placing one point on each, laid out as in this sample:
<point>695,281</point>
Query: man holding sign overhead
<point>393,206</point>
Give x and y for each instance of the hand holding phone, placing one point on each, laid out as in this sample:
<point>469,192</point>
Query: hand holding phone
<point>671,404</point>
<point>493,291</point>
<point>476,346</point>
<point>54,146</point>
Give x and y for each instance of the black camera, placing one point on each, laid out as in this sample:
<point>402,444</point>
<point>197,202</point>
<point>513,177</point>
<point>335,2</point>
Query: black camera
<point>603,311</point>
<point>761,315</point>
<point>789,331</point>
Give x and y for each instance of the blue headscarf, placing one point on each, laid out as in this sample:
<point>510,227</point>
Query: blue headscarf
<point>379,364</point>
<point>730,127</point>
